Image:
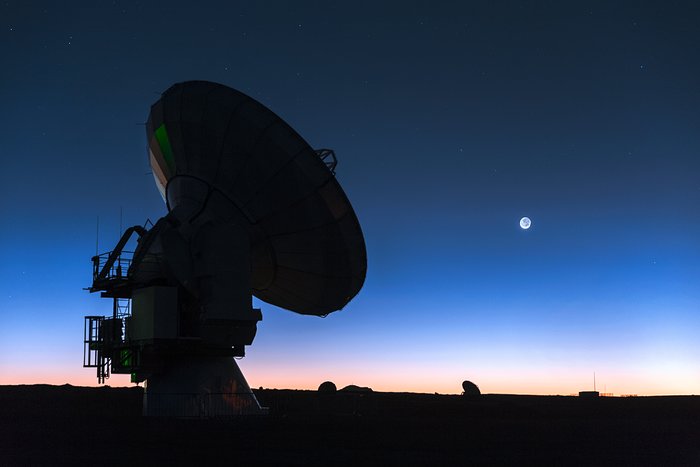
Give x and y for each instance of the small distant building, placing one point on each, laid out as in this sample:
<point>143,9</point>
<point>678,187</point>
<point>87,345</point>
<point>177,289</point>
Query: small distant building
<point>588,394</point>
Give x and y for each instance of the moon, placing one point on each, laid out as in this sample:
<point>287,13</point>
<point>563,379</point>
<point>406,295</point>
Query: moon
<point>525,223</point>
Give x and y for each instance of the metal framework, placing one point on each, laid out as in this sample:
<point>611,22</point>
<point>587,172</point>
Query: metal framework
<point>93,346</point>
<point>328,158</point>
<point>106,346</point>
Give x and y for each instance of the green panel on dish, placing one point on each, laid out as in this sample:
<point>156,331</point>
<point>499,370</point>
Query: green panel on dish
<point>166,149</point>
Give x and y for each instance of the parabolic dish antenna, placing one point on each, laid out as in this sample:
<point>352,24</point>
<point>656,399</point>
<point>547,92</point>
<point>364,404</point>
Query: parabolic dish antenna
<point>308,252</point>
<point>252,210</point>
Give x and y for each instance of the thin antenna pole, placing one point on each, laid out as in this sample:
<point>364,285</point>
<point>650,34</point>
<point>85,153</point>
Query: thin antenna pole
<point>594,380</point>
<point>97,236</point>
<point>121,209</point>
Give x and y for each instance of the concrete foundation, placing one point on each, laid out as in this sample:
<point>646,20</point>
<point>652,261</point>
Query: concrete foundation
<point>200,387</point>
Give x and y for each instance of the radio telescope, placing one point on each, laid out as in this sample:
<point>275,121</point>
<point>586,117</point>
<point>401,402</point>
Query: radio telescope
<point>252,210</point>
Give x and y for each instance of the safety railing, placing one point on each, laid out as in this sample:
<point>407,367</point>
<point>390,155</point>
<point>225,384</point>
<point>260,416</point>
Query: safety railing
<point>118,269</point>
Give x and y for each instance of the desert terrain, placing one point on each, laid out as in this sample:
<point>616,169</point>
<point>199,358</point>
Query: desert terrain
<point>66,425</point>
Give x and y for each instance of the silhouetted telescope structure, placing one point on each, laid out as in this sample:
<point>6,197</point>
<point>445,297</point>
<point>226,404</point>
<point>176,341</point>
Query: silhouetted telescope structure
<point>470,389</point>
<point>252,210</point>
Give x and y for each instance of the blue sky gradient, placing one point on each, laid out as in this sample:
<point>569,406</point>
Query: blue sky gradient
<point>450,123</point>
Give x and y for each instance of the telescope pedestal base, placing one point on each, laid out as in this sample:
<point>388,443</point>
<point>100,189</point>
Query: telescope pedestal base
<point>200,387</point>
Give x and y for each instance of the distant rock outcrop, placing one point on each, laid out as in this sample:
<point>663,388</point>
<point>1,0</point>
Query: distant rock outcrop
<point>356,389</point>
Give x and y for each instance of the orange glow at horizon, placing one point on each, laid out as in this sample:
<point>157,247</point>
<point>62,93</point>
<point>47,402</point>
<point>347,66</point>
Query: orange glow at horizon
<point>539,383</point>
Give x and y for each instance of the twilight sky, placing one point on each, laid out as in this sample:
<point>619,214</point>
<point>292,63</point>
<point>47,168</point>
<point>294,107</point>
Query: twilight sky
<point>451,120</point>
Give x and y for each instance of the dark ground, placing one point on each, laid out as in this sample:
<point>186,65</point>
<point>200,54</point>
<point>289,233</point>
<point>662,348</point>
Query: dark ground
<point>58,425</point>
